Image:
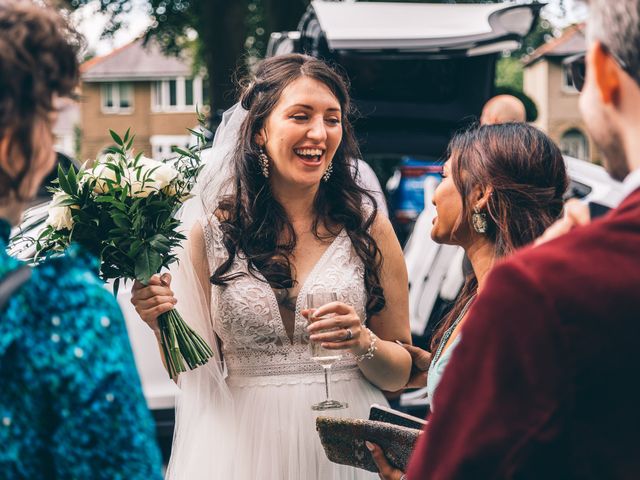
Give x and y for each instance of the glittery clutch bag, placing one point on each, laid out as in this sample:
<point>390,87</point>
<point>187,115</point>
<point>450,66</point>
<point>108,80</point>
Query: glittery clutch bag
<point>343,441</point>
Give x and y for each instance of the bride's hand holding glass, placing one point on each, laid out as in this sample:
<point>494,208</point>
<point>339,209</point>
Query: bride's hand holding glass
<point>333,327</point>
<point>337,326</point>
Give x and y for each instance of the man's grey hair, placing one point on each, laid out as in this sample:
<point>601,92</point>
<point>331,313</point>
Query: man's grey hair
<point>616,23</point>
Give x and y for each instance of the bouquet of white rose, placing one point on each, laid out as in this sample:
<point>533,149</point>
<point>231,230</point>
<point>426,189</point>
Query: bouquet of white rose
<point>123,210</point>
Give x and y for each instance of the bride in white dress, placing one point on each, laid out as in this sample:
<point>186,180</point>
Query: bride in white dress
<point>278,215</point>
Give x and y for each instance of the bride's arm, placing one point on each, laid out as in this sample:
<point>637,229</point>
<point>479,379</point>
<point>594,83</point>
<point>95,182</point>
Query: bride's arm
<point>198,253</point>
<point>391,364</point>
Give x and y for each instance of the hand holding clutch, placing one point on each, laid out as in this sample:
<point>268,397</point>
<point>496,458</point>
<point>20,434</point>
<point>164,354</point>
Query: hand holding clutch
<point>344,439</point>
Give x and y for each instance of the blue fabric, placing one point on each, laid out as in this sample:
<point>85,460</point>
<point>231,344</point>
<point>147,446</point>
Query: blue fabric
<point>71,405</point>
<point>437,368</point>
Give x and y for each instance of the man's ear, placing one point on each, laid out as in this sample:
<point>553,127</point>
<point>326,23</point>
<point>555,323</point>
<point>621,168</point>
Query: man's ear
<point>606,72</point>
<point>481,196</point>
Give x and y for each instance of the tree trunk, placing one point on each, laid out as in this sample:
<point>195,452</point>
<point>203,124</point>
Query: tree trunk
<point>221,28</point>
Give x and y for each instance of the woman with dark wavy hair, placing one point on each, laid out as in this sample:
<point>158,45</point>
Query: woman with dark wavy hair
<point>289,220</point>
<point>502,186</point>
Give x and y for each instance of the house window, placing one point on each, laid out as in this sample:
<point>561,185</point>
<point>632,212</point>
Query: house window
<point>575,144</point>
<point>177,94</point>
<point>188,92</point>
<point>173,93</point>
<point>117,97</point>
<point>161,145</point>
<point>567,82</point>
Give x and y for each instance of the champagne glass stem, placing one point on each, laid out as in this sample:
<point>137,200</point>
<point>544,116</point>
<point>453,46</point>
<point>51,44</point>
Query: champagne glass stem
<point>327,381</point>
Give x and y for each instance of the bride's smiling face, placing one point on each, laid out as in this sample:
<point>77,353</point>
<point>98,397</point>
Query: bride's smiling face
<point>302,133</point>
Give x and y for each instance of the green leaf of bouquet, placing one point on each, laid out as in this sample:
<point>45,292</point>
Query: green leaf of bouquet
<point>148,262</point>
<point>116,232</point>
<point>134,249</point>
<point>114,150</point>
<point>119,205</point>
<point>196,133</point>
<point>67,202</point>
<point>116,138</point>
<point>126,135</point>
<point>121,221</point>
<point>73,181</point>
<point>104,199</point>
<point>116,287</point>
<point>161,243</point>
<point>64,183</point>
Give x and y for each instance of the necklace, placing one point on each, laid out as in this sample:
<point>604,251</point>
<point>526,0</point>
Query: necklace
<point>447,334</point>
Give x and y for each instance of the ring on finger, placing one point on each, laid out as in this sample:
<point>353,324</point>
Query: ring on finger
<point>349,335</point>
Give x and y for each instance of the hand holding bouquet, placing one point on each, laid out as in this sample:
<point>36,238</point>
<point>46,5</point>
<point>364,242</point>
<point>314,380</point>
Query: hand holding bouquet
<point>123,211</point>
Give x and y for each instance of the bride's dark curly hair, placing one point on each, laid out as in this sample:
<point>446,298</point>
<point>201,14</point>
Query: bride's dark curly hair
<point>256,226</point>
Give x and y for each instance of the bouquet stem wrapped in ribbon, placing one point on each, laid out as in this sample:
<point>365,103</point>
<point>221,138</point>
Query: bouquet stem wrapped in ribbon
<point>123,210</point>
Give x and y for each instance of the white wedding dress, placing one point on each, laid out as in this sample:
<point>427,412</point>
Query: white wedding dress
<point>272,380</point>
<point>246,414</point>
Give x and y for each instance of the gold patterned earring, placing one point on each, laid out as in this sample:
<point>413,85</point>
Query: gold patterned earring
<point>327,172</point>
<point>263,160</point>
<point>479,221</point>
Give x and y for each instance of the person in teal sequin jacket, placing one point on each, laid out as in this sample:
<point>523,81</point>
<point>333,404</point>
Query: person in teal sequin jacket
<point>71,404</point>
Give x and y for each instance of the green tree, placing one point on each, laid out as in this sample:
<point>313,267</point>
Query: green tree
<point>222,27</point>
<point>509,70</point>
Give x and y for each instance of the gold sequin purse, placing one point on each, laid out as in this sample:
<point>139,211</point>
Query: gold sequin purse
<point>343,441</point>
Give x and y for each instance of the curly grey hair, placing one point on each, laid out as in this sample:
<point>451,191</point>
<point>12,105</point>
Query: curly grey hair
<point>617,25</point>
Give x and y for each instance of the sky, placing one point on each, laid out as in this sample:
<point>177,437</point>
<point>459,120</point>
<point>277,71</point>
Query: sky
<point>91,24</point>
<point>575,12</point>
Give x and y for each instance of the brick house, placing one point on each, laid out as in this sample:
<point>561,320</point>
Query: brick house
<point>139,87</point>
<point>547,82</point>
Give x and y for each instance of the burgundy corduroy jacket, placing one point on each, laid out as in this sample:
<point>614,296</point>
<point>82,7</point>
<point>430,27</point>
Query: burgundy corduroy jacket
<point>544,383</point>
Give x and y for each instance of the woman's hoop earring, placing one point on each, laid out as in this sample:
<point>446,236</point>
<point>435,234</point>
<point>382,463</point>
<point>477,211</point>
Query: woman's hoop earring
<point>479,221</point>
<point>263,160</point>
<point>327,172</point>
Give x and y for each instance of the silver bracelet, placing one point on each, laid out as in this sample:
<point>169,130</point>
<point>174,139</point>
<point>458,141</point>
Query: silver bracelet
<point>403,477</point>
<point>371,351</point>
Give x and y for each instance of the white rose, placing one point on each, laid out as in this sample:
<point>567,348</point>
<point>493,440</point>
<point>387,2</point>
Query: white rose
<point>60,215</point>
<point>158,176</point>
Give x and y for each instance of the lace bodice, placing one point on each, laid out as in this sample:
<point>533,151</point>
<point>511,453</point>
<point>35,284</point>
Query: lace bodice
<point>246,318</point>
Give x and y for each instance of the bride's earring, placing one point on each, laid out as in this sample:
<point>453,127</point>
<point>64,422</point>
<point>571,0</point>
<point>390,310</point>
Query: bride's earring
<point>479,221</point>
<point>264,162</point>
<point>327,172</point>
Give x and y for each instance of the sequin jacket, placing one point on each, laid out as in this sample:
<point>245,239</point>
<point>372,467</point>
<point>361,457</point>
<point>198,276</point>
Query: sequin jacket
<point>71,405</point>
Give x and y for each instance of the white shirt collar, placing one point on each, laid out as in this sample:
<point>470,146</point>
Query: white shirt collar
<point>631,183</point>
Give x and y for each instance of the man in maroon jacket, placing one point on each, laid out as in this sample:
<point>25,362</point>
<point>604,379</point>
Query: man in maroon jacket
<point>541,385</point>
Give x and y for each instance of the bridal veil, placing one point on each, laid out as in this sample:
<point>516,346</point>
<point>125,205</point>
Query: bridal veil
<point>204,406</point>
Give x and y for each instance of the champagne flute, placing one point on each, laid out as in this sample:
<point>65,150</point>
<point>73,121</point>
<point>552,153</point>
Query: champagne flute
<point>326,358</point>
